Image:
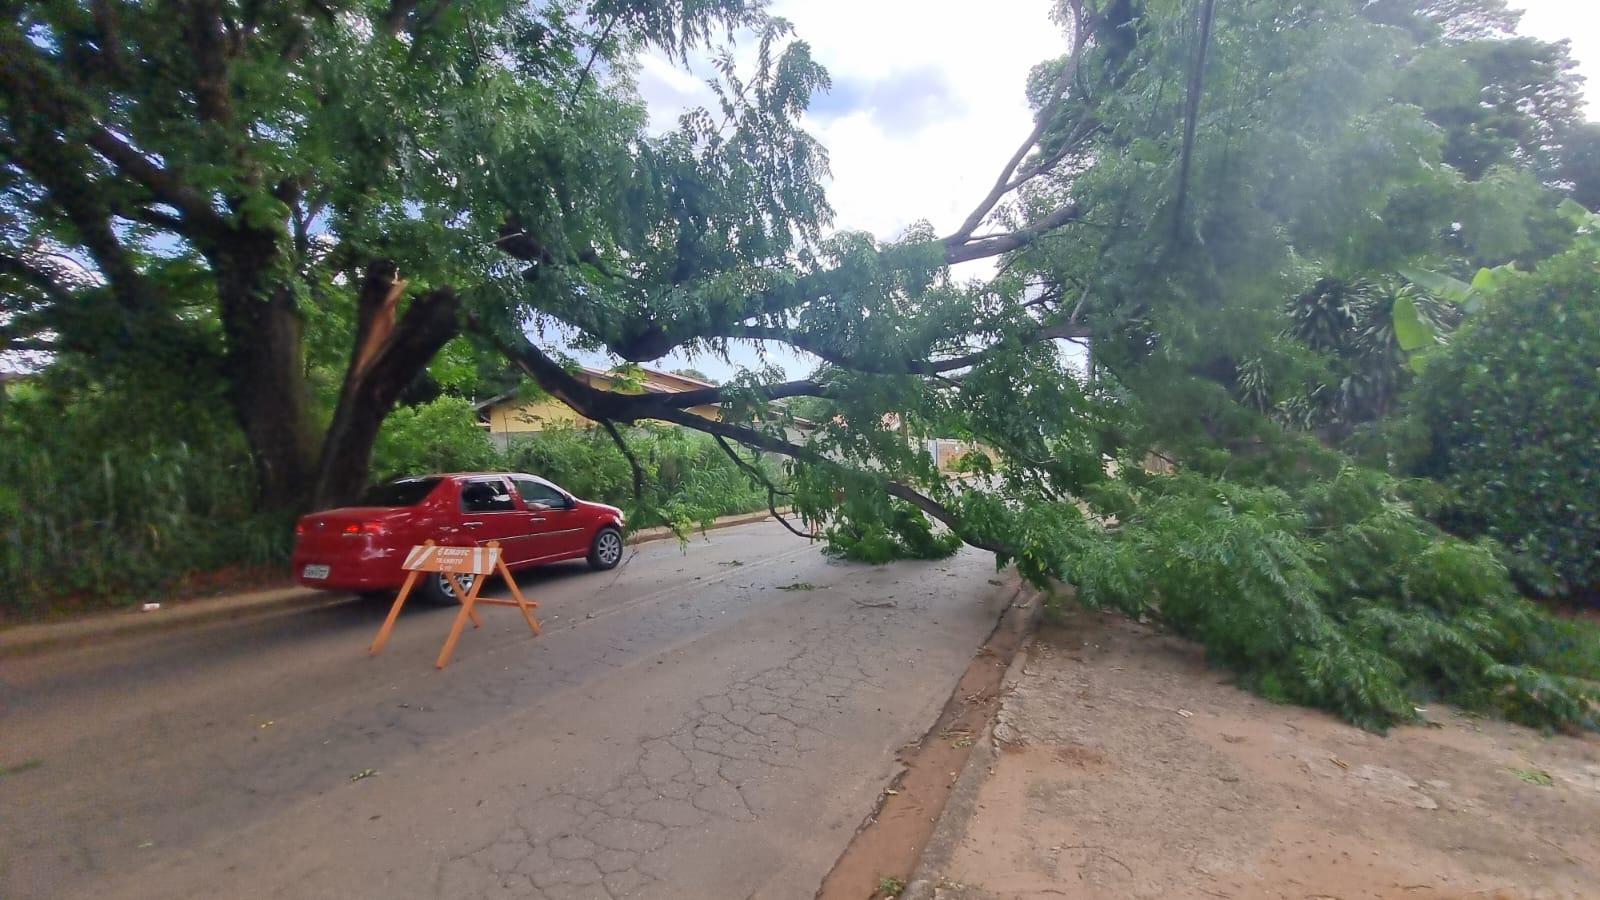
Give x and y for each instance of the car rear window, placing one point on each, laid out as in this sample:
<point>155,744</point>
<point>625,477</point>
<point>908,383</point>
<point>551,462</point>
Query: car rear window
<point>405,492</point>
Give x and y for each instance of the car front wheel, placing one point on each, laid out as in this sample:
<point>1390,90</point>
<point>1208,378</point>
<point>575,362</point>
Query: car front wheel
<point>606,549</point>
<point>434,590</point>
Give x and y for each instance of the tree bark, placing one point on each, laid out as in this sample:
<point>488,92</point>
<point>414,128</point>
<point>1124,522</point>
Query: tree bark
<point>386,357</point>
<point>266,384</point>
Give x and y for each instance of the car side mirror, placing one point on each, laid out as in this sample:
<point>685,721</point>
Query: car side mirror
<point>536,506</point>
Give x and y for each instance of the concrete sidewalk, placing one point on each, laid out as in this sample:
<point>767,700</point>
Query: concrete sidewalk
<point>1122,765</point>
<point>23,640</point>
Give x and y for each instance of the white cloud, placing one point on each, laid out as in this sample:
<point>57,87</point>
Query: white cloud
<point>888,172</point>
<point>928,101</point>
<point>669,90</point>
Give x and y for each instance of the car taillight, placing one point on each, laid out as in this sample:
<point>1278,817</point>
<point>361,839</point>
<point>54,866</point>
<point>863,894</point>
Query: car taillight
<point>355,529</point>
<point>299,529</point>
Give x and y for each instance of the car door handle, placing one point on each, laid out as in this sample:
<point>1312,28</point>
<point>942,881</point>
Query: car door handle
<point>471,524</point>
<point>536,518</point>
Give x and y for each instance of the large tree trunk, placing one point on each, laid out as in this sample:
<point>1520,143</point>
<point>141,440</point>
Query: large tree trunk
<point>266,375</point>
<point>387,356</point>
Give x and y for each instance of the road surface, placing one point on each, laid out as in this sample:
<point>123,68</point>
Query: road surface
<point>704,722</point>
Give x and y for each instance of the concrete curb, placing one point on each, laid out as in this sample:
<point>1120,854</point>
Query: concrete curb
<point>25,640</point>
<point>661,533</point>
<point>963,801</point>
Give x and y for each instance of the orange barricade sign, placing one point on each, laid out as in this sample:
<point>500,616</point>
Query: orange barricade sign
<point>450,562</point>
<point>461,560</point>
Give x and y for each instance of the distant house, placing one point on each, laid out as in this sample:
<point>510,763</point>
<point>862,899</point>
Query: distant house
<point>506,417</point>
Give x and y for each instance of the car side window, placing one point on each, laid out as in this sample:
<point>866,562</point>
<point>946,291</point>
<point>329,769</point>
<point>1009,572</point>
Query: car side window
<point>537,492</point>
<point>486,496</point>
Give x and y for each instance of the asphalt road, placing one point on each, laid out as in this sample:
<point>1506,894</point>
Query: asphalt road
<point>685,727</point>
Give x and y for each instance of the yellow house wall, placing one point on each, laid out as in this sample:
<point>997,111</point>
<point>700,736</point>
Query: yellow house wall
<point>546,412</point>
<point>536,415</point>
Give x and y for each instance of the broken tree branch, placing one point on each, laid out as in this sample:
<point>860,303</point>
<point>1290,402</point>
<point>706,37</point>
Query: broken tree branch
<point>760,476</point>
<point>602,405</point>
<point>1004,184</point>
<point>633,461</point>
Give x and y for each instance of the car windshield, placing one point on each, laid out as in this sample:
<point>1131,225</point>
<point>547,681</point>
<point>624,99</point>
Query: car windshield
<point>405,492</point>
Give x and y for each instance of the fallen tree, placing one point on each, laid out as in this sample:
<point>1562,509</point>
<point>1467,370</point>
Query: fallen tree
<point>490,163</point>
<point>1159,209</point>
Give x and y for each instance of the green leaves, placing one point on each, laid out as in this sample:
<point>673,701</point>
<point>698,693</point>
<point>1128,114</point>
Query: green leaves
<point>1415,336</point>
<point>1515,423</point>
<point>1410,331</point>
<point>1453,289</point>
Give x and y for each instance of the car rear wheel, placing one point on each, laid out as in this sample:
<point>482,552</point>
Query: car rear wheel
<point>605,551</point>
<point>434,589</point>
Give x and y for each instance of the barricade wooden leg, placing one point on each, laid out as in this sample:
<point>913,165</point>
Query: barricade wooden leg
<point>460,622</point>
<point>394,613</point>
<point>461,595</point>
<point>522,602</point>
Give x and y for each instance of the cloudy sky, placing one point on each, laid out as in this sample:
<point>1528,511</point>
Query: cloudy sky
<point>927,99</point>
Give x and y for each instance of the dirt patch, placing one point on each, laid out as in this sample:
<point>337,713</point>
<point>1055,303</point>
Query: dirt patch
<point>884,851</point>
<point>1135,770</point>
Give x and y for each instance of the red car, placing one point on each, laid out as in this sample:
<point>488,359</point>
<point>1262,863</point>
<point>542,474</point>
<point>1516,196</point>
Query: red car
<point>360,548</point>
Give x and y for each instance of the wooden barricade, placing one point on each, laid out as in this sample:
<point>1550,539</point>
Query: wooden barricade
<point>482,561</point>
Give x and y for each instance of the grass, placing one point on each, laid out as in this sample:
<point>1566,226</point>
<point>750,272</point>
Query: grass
<point>26,765</point>
<point>890,886</point>
<point>1534,776</point>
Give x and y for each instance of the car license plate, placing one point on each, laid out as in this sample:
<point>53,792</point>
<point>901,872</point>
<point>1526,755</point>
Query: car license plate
<point>314,572</point>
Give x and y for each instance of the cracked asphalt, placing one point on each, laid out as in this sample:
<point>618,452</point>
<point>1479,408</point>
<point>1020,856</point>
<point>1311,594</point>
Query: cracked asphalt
<point>710,721</point>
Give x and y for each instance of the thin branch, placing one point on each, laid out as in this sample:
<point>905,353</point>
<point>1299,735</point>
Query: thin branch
<point>886,366</point>
<point>967,250</point>
<point>108,36</point>
<point>583,77</point>
<point>151,216</point>
<point>1191,113</point>
<point>1068,144</point>
<point>804,387</point>
<point>633,461</point>
<point>162,184</point>
<point>772,490</point>
<point>1078,310</point>
<point>60,168</point>
<point>749,469</point>
<point>1047,114</point>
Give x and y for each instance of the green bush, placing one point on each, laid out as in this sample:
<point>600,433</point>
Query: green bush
<point>114,495</point>
<point>1512,411</point>
<point>442,435</point>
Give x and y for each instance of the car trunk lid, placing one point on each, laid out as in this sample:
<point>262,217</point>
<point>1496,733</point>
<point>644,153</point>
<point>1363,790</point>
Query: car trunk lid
<point>348,527</point>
